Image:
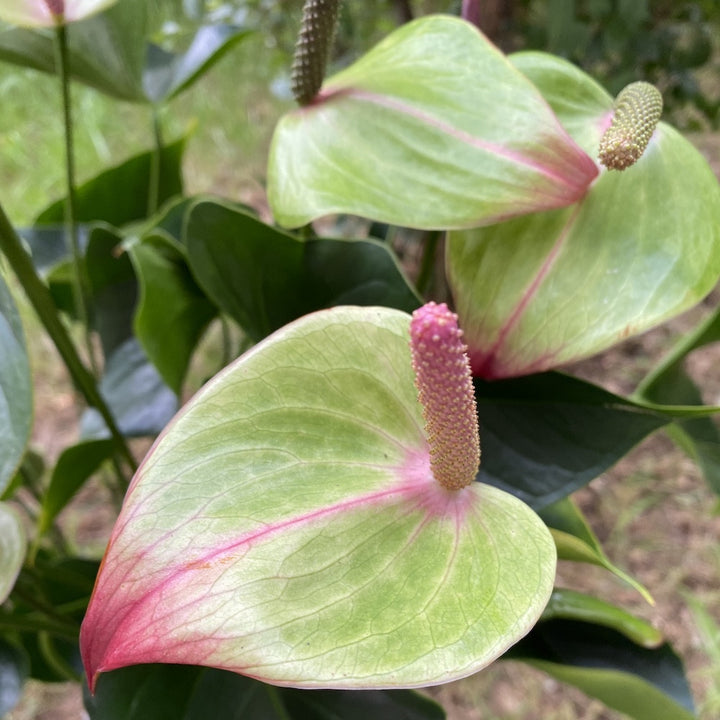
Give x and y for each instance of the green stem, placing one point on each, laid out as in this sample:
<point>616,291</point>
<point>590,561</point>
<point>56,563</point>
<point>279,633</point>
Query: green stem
<point>42,302</point>
<point>80,291</point>
<point>155,161</point>
<point>428,261</point>
<point>30,625</point>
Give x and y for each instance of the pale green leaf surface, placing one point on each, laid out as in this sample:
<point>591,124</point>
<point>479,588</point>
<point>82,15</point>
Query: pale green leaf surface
<point>16,408</point>
<point>12,548</point>
<point>550,288</point>
<point>286,527</point>
<point>433,128</point>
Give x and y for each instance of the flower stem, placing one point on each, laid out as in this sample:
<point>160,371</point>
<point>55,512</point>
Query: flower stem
<point>80,292</point>
<point>42,302</point>
<point>155,162</point>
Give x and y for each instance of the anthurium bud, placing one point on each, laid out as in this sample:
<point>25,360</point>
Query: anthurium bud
<point>445,391</point>
<point>637,111</point>
<point>317,34</point>
<point>48,13</point>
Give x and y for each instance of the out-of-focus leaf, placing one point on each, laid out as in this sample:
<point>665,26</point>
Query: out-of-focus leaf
<point>13,545</point>
<point>265,278</point>
<point>164,692</point>
<point>570,605</point>
<point>670,384</point>
<point>31,470</point>
<point>73,468</point>
<point>106,51</point>
<point>13,673</point>
<point>646,684</point>
<point>167,74</point>
<point>16,400</point>
<point>120,195</point>
<point>173,311</point>
<point>274,526</point>
<point>140,401</point>
<point>433,128</point>
<point>26,13</point>
<point>575,541</point>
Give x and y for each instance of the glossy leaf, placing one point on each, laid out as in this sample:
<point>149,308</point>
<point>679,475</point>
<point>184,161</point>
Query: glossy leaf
<point>120,195</point>
<point>156,692</point>
<point>16,402</point>
<point>669,383</point>
<point>12,548</point>
<point>167,74</point>
<point>642,246</point>
<point>106,51</point>
<point>646,684</point>
<point>140,401</point>
<point>76,464</point>
<point>173,311</point>
<point>13,672</point>
<point>265,278</point>
<point>576,542</point>
<point>570,605</point>
<point>275,527</point>
<point>544,436</point>
<point>433,128</point>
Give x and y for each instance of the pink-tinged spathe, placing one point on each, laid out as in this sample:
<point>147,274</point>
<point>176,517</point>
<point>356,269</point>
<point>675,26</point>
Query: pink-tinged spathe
<point>445,391</point>
<point>49,13</point>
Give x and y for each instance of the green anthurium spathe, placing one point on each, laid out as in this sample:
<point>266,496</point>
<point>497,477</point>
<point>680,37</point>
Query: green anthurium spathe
<point>642,246</point>
<point>433,128</point>
<point>287,526</point>
<point>49,13</point>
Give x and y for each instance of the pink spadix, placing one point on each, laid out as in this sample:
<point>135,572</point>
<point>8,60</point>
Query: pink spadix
<point>445,391</point>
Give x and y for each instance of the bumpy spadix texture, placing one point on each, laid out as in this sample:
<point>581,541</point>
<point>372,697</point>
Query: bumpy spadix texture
<point>317,34</point>
<point>637,112</point>
<point>445,391</point>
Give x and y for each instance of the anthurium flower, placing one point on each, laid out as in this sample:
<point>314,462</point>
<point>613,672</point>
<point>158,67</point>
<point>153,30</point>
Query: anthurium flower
<point>48,13</point>
<point>311,519</point>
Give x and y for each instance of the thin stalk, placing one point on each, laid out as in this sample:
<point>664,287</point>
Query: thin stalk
<point>42,302</point>
<point>226,341</point>
<point>427,264</point>
<point>30,625</point>
<point>155,161</point>
<point>80,291</point>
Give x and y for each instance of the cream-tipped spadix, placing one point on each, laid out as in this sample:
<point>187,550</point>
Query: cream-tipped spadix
<point>445,391</point>
<point>637,112</point>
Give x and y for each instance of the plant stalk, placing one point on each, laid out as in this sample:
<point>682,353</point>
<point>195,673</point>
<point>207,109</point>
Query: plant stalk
<point>427,264</point>
<point>155,162</point>
<point>42,302</point>
<point>80,291</point>
<point>471,11</point>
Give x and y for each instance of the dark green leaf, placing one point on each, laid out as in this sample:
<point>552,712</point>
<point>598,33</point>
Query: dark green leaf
<point>360,705</point>
<point>74,467</point>
<point>120,195</point>
<point>173,311</point>
<point>140,401</point>
<point>16,403</point>
<point>13,672</point>
<point>169,692</point>
<point>113,287</point>
<point>48,246</point>
<point>545,436</point>
<point>264,278</point>
<point>30,471</point>
<point>670,384</point>
<point>167,74</point>
<point>646,684</point>
<point>107,51</point>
